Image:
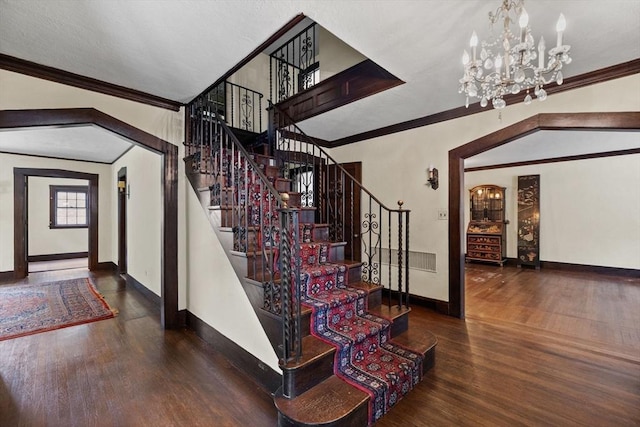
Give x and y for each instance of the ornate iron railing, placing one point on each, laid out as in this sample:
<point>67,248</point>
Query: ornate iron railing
<point>238,106</point>
<point>354,215</point>
<point>294,66</point>
<point>243,190</point>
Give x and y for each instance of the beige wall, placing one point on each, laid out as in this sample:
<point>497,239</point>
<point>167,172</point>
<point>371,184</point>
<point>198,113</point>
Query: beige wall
<point>144,216</point>
<point>254,76</point>
<point>394,166</point>
<point>44,240</point>
<point>335,55</point>
<point>589,209</point>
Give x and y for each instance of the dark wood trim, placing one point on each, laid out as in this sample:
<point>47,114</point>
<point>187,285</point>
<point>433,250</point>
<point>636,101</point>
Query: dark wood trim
<point>107,266</point>
<point>57,257</point>
<point>268,379</point>
<point>52,157</point>
<point>597,269</point>
<point>142,289</point>
<point>122,220</point>
<point>169,314</point>
<point>554,121</point>
<point>441,307</point>
<point>364,79</point>
<point>73,116</point>
<point>44,72</point>
<point>575,82</point>
<point>582,268</point>
<point>20,176</point>
<point>7,276</point>
<point>257,51</point>
<point>556,160</point>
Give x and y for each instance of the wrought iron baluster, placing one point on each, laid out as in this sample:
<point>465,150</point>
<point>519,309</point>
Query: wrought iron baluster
<point>389,268</point>
<point>400,255</point>
<point>408,254</point>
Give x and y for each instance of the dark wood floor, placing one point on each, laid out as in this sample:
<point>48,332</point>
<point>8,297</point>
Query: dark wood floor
<point>537,348</point>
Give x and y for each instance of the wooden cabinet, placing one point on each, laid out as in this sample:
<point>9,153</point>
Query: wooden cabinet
<point>486,233</point>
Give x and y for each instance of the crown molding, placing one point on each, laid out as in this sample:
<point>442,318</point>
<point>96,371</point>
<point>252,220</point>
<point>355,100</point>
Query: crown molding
<point>56,75</point>
<point>599,76</point>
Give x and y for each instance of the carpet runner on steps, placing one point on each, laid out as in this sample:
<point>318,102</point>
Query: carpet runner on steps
<point>365,356</point>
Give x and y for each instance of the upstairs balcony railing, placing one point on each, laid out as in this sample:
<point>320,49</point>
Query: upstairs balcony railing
<point>294,66</point>
<point>238,106</point>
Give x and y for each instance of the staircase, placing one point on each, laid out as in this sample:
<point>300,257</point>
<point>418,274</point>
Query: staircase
<point>346,357</point>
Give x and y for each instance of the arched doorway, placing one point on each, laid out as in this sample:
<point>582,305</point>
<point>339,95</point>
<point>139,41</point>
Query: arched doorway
<point>548,121</point>
<point>169,152</point>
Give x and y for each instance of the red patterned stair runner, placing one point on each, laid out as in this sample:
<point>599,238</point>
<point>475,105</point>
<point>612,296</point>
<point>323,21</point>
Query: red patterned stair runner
<point>365,357</point>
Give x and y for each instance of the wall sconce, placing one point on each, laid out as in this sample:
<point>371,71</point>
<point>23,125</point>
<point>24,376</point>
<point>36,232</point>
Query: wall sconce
<point>122,185</point>
<point>433,177</point>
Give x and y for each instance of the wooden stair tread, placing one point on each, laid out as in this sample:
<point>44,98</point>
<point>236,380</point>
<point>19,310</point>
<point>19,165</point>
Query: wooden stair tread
<point>351,263</point>
<point>420,341</point>
<point>365,286</point>
<point>390,313</point>
<point>312,349</point>
<point>327,403</point>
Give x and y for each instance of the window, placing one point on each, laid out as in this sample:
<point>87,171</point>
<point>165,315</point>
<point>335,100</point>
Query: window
<point>309,76</point>
<point>68,206</point>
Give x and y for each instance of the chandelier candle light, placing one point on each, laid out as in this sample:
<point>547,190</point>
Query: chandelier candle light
<point>507,63</point>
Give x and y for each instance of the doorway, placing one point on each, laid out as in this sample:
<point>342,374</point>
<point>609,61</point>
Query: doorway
<point>550,121</point>
<point>21,220</point>
<point>57,224</point>
<point>169,313</point>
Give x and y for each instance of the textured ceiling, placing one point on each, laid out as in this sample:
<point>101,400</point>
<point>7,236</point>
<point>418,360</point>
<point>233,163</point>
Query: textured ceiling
<point>86,143</point>
<point>176,49</point>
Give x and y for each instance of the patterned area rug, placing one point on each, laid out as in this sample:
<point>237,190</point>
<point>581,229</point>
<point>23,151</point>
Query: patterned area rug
<point>32,308</point>
<point>365,356</point>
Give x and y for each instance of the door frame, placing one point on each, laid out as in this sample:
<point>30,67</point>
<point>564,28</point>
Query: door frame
<point>123,195</point>
<point>543,121</point>
<point>20,214</point>
<point>169,315</point>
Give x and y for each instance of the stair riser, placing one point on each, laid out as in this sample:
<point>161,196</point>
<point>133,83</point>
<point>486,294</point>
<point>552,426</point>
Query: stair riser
<point>321,234</point>
<point>297,381</point>
<point>336,253</point>
<point>374,299</point>
<point>355,274</point>
<point>400,324</point>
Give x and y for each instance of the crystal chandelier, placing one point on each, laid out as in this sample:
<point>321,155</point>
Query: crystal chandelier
<point>511,63</point>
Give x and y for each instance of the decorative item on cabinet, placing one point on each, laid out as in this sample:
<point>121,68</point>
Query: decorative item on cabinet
<point>486,233</point>
<point>529,220</point>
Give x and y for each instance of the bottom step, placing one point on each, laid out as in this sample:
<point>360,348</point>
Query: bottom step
<point>333,402</point>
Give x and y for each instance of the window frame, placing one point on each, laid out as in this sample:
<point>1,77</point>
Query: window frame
<point>308,71</point>
<point>53,209</point>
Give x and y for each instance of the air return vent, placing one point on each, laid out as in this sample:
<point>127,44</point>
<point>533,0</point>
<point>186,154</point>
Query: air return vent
<point>424,261</point>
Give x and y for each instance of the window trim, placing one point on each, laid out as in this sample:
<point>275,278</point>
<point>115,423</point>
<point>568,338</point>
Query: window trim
<point>53,191</point>
<point>309,71</point>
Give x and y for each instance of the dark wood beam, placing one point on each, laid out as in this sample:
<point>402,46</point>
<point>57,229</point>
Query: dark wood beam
<point>575,82</point>
<point>44,72</point>
<point>364,79</point>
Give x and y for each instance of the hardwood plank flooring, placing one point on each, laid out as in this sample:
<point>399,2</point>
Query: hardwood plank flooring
<point>543,348</point>
<point>124,371</point>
